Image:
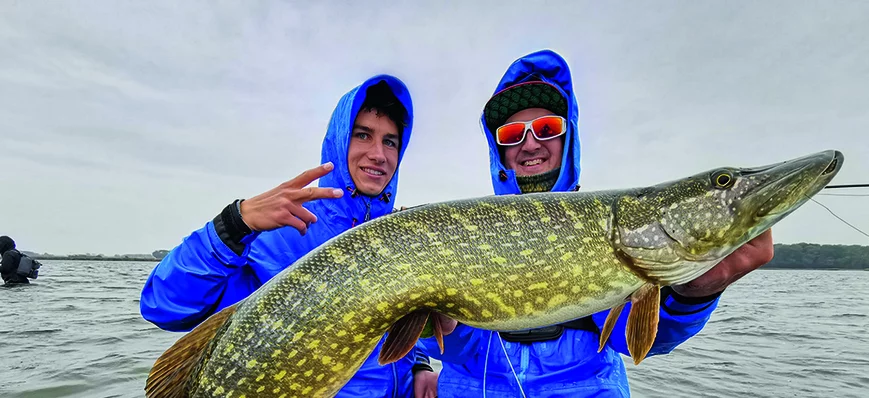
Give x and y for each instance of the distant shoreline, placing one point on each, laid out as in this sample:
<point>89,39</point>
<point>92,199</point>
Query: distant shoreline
<point>800,256</point>
<point>770,266</point>
<point>801,268</point>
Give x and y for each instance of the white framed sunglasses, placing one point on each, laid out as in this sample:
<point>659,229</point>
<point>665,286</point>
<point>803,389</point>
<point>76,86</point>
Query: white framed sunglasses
<point>544,128</point>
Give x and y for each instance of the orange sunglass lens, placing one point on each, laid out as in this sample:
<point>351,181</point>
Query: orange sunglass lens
<point>511,133</point>
<point>548,127</point>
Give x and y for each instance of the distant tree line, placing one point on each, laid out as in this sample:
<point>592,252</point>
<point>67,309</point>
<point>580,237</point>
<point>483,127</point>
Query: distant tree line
<point>154,256</point>
<point>159,254</point>
<point>815,256</point>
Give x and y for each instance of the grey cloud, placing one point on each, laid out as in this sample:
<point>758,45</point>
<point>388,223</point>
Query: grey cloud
<point>131,124</point>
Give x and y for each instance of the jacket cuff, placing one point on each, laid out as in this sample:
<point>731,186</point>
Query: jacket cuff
<point>421,361</point>
<point>232,230</point>
<point>677,304</point>
<point>418,367</point>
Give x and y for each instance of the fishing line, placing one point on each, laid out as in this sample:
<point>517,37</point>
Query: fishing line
<point>847,186</point>
<point>840,218</point>
<point>843,194</point>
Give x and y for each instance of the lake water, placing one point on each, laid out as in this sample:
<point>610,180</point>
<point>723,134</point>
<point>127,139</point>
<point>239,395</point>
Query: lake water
<point>77,332</point>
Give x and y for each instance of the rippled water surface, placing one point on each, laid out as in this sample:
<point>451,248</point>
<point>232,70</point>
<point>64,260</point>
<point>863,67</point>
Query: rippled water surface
<point>77,332</point>
<point>776,333</point>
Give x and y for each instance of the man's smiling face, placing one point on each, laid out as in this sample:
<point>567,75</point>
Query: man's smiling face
<point>532,157</point>
<point>373,153</point>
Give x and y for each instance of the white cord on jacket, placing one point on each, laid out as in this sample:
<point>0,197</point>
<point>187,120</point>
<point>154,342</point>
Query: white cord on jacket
<point>509,362</point>
<point>486,362</point>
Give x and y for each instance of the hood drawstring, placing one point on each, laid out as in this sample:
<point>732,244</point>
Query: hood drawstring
<point>354,193</point>
<point>502,175</point>
<point>385,197</point>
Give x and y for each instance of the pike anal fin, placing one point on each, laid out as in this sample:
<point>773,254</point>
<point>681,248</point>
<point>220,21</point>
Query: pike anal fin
<point>642,326</point>
<point>609,324</point>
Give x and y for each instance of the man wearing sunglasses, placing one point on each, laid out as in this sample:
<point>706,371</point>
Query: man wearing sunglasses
<point>531,124</point>
<point>252,240</point>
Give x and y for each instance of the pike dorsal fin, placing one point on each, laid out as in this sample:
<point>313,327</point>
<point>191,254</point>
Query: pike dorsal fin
<point>611,319</point>
<point>169,375</point>
<point>642,326</point>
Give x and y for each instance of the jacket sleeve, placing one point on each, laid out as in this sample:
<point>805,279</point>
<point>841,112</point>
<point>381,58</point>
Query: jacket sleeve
<point>420,359</point>
<point>191,282</point>
<point>680,319</point>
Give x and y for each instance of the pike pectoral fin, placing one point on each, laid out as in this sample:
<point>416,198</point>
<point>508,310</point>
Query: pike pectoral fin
<point>406,331</point>
<point>609,324</point>
<point>642,324</point>
<point>169,375</point>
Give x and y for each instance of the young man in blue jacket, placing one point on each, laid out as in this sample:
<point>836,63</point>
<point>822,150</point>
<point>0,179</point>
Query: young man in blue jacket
<point>252,240</point>
<point>538,150</point>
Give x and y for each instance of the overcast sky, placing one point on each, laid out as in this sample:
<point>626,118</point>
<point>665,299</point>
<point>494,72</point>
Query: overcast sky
<point>124,126</point>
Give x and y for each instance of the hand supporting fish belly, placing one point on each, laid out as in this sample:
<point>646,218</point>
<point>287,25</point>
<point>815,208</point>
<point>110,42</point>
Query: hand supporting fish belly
<point>498,263</point>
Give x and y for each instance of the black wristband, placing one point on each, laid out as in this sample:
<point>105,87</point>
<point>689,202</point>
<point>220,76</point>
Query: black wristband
<point>420,367</point>
<point>231,228</point>
<point>668,291</point>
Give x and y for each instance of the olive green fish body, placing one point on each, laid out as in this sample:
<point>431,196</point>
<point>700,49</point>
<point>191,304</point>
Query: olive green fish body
<point>321,318</point>
<point>497,263</point>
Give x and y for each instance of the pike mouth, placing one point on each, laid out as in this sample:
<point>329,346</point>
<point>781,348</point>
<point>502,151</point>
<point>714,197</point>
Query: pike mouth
<point>776,198</point>
<point>832,167</point>
<point>781,202</point>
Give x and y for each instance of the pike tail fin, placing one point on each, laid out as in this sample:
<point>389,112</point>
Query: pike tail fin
<point>169,375</point>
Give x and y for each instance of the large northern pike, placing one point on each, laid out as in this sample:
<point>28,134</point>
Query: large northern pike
<point>497,263</point>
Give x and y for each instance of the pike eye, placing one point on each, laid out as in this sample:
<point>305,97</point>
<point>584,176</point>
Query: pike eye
<point>722,179</point>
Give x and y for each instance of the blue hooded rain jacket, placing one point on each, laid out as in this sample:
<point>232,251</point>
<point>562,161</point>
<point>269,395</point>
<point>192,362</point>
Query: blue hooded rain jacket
<point>203,275</point>
<point>475,361</point>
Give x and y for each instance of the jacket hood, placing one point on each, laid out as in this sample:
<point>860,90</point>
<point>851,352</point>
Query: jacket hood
<point>548,66</point>
<point>6,243</point>
<point>356,208</point>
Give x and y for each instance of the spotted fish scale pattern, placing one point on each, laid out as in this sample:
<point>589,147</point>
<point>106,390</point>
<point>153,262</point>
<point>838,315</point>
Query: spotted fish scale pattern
<point>497,263</point>
<point>328,312</point>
